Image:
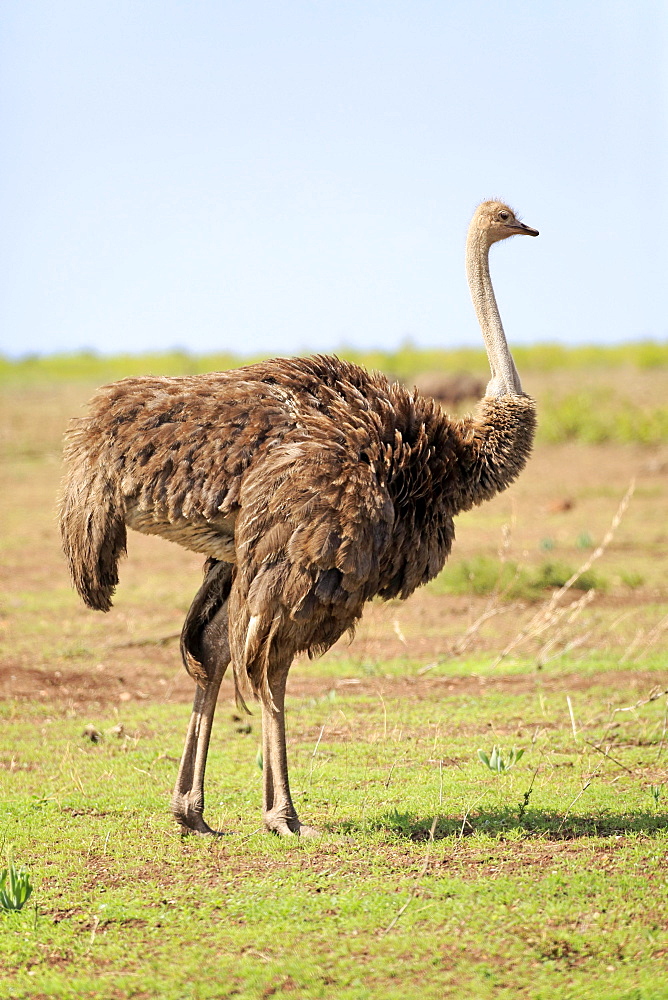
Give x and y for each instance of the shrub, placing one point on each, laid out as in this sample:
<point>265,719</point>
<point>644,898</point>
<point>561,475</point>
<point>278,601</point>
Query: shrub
<point>484,575</point>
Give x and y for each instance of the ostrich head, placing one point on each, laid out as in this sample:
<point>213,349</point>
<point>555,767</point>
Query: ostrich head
<point>498,221</point>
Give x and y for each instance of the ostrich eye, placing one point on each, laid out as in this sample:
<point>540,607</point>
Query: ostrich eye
<point>504,215</point>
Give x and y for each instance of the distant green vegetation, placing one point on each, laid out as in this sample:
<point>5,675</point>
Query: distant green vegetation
<point>484,575</point>
<point>87,366</point>
<point>576,408</point>
<point>409,361</point>
<point>595,416</point>
<point>404,363</point>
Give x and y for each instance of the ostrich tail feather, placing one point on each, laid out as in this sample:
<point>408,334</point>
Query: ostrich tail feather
<point>92,527</point>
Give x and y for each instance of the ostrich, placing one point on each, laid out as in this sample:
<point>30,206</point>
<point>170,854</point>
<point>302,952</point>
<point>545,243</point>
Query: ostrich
<point>311,486</point>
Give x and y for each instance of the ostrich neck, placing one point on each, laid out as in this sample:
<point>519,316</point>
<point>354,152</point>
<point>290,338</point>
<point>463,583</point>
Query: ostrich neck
<point>505,380</point>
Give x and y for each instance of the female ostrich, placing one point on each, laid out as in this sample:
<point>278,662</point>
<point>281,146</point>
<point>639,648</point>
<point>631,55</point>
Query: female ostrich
<point>310,484</point>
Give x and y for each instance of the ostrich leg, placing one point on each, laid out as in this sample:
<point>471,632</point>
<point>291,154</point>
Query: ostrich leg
<point>280,815</point>
<point>188,797</point>
<point>205,629</point>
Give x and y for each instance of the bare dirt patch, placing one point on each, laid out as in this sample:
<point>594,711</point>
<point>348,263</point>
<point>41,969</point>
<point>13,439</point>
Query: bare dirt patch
<point>79,689</point>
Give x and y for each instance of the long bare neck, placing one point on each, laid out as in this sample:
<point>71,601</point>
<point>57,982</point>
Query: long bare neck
<point>505,380</point>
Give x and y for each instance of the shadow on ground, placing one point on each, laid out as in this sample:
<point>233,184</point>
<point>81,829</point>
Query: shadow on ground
<point>497,822</point>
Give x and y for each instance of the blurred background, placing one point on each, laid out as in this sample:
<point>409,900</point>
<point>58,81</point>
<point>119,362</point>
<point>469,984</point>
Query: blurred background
<point>185,186</point>
<point>255,178</point>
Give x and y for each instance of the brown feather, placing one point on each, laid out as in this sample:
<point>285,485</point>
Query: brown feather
<point>324,483</point>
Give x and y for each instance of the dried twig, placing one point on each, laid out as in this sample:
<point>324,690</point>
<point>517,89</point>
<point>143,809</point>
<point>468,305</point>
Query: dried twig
<point>490,611</point>
<point>551,612</point>
<point>570,712</point>
<point>382,701</point>
<point>466,815</point>
<point>654,694</point>
<point>315,748</point>
<point>606,754</point>
<point>394,764</point>
<point>492,608</point>
<point>580,793</point>
<point>575,608</point>
<point>649,637</point>
<point>96,923</point>
<point>573,644</point>
<point>414,890</point>
<point>313,755</point>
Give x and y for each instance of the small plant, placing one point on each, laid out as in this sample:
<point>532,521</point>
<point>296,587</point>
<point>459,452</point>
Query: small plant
<point>15,887</point>
<point>479,575</point>
<point>524,803</point>
<point>495,761</point>
<point>655,792</point>
<point>584,540</point>
<point>527,795</point>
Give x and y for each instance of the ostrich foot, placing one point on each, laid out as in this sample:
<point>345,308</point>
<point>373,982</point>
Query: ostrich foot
<point>288,824</point>
<point>188,815</point>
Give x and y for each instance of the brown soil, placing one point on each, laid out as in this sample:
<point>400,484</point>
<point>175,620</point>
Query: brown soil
<point>80,689</point>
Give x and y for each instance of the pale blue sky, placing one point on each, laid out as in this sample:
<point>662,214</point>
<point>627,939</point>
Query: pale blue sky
<point>274,177</point>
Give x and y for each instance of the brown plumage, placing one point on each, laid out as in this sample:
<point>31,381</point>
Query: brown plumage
<point>310,484</point>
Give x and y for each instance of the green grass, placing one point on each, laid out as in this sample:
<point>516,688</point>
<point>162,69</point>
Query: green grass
<point>546,881</point>
<point>601,416</point>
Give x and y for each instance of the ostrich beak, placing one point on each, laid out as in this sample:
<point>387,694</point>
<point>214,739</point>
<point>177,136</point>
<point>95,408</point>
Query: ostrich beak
<point>527,230</point>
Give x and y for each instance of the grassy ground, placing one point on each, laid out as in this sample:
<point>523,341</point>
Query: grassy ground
<point>550,880</point>
<point>433,876</point>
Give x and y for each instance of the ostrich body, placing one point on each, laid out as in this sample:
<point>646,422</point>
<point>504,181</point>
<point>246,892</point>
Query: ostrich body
<point>310,484</point>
